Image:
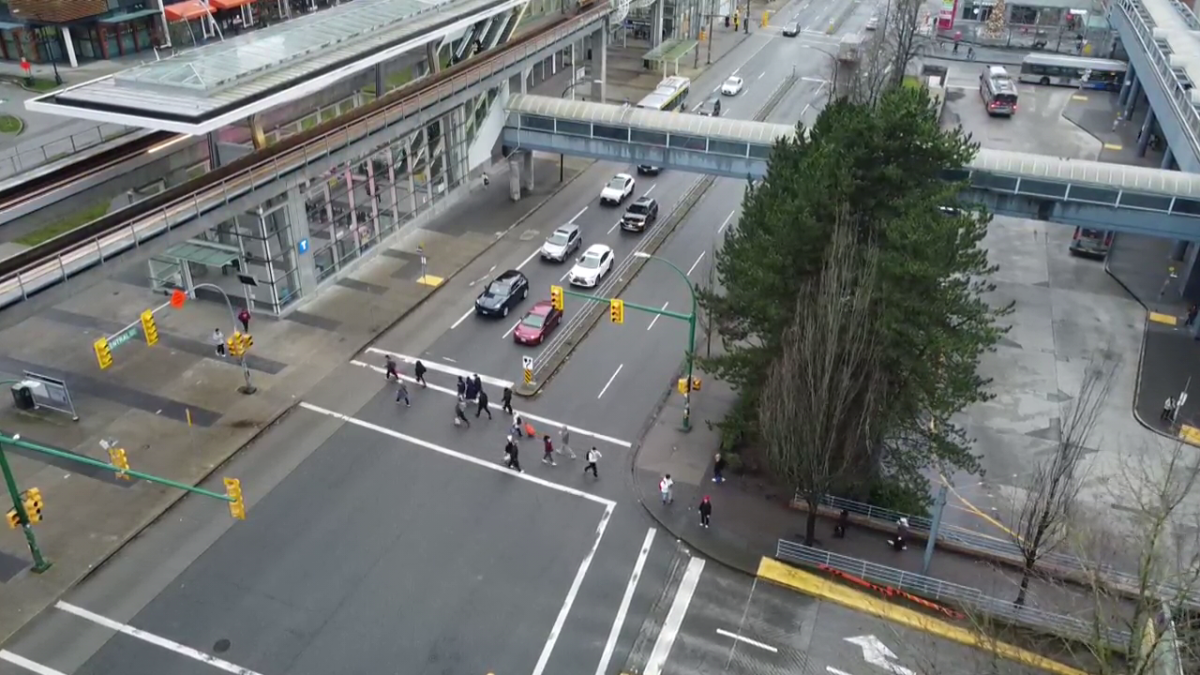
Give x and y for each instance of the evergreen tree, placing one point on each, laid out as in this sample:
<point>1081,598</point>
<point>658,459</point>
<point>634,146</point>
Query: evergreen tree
<point>880,168</point>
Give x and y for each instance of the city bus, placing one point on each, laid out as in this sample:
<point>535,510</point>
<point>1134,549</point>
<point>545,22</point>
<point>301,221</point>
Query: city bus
<point>1069,71</point>
<point>998,91</point>
<point>670,94</point>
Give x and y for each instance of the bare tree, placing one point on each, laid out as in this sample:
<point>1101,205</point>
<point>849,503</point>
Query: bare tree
<point>820,399</point>
<point>1046,512</point>
<point>869,66</point>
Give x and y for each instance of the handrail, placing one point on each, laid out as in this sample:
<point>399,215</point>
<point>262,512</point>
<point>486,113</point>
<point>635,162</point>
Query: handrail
<point>57,259</point>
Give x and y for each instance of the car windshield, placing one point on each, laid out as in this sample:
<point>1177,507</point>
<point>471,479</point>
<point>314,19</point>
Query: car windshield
<point>617,183</point>
<point>590,262</point>
<point>534,320</point>
<point>732,82</point>
<point>558,239</point>
<point>639,209</point>
<point>499,287</point>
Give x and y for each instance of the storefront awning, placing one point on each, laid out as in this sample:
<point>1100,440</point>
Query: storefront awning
<point>229,4</point>
<point>128,16</point>
<point>186,11</point>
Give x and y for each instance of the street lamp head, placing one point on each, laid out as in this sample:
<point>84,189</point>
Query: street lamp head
<point>641,254</point>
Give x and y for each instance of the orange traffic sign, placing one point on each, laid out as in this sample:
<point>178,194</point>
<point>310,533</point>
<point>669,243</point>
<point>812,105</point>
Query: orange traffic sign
<point>178,297</point>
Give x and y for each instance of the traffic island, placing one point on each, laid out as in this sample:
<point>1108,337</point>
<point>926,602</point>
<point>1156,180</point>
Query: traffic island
<point>11,125</point>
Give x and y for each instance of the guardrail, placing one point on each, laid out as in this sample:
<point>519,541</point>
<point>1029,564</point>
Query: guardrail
<point>964,597</point>
<point>20,161</point>
<point>178,207</point>
<point>1007,550</point>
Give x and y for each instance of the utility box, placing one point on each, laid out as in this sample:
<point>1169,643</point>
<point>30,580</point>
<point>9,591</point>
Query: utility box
<point>22,395</point>
<point>850,48</point>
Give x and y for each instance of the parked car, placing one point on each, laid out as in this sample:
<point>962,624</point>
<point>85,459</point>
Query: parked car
<point>562,243</point>
<point>537,324</point>
<point>873,23</point>
<point>640,215</point>
<point>502,294</point>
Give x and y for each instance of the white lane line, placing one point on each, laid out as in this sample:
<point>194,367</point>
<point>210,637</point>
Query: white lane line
<point>647,194</point>
<point>739,638</point>
<point>447,358</point>
<point>814,79</point>
<point>449,370</point>
<point>610,380</point>
<point>727,219</point>
<point>834,671</point>
<point>484,277</point>
<point>497,406</point>
<point>760,75</point>
<point>561,620</point>
<point>506,334</point>
<point>567,273</point>
<point>623,609</point>
<point>693,267</point>
<point>748,58</point>
<point>490,466</point>
<point>31,666</point>
<point>153,639</point>
<point>615,226</point>
<point>531,257</point>
<point>655,319</point>
<point>576,217</point>
<point>462,318</point>
<point>670,629</point>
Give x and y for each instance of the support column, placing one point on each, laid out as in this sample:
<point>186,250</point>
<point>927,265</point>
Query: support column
<point>257,135</point>
<point>379,88</point>
<point>214,153</point>
<point>525,80</point>
<point>1135,90</point>
<point>656,29</point>
<point>604,61</point>
<point>1144,137</point>
<point>1126,86</point>
<point>527,170</point>
<point>432,56</point>
<point>453,132</point>
<point>514,177</point>
<point>70,46</point>
<point>1190,275</point>
<point>1168,163</point>
<point>298,220</point>
<point>1179,250</point>
<point>574,70</point>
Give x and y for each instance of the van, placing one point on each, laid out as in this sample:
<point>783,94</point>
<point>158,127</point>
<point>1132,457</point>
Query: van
<point>1091,242</point>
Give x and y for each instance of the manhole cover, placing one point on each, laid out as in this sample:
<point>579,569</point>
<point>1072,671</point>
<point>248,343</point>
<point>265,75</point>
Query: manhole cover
<point>221,646</point>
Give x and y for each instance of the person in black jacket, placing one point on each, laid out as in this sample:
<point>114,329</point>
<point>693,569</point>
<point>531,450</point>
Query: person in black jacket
<point>511,458</point>
<point>506,400</point>
<point>462,388</point>
<point>483,404</point>
<point>419,372</point>
<point>705,511</point>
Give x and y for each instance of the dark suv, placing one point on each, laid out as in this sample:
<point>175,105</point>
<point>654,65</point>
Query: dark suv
<point>641,214</point>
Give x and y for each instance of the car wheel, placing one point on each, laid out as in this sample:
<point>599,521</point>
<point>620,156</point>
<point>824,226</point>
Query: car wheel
<point>524,293</point>
<point>504,311</point>
<point>1045,82</point>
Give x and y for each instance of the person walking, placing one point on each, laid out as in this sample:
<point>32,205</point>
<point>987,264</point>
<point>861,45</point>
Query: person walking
<point>511,455</point>
<point>548,451</point>
<point>462,387</point>
<point>719,468</point>
<point>517,424</point>
<point>419,372</point>
<point>898,542</point>
<point>664,488</point>
<point>244,318</point>
<point>1191,316</point>
<point>506,401</point>
<point>593,456</point>
<point>1168,409</point>
<point>402,393</point>
<point>389,365</point>
<point>218,339</point>
<point>460,413</point>
<point>564,441</point>
<point>478,383</point>
<point>705,509</point>
<point>472,389</point>
<point>483,404</point>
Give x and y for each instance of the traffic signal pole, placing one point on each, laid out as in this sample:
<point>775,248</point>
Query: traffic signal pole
<point>40,564</point>
<point>247,388</point>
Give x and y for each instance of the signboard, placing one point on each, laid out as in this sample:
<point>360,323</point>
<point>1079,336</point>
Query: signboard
<point>302,246</point>
<point>526,363</point>
<point>946,14</point>
<point>123,337</point>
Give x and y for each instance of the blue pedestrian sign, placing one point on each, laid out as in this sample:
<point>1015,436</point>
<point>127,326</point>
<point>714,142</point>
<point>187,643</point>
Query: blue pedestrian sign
<point>302,246</point>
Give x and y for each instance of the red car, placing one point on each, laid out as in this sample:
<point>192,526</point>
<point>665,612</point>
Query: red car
<point>537,324</point>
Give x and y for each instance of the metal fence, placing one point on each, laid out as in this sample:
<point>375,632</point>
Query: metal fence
<point>965,597</point>
<point>20,160</point>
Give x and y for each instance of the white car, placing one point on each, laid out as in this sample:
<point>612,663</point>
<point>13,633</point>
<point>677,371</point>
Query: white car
<point>591,267</point>
<point>873,23</point>
<point>732,86</point>
<point>620,187</point>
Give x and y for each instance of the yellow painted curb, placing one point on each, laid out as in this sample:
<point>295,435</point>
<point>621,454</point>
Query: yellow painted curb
<point>1189,434</point>
<point>1113,146</point>
<point>802,581</point>
<point>1163,318</point>
<point>430,280</point>
<point>1078,97</point>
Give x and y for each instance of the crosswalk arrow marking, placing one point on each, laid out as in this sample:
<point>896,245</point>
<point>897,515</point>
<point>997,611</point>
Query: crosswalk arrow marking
<point>877,654</point>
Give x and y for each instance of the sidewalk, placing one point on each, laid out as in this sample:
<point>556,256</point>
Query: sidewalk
<point>750,514</point>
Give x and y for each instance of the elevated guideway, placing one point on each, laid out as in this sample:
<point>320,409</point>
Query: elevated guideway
<point>287,167</point>
<point>1069,191</point>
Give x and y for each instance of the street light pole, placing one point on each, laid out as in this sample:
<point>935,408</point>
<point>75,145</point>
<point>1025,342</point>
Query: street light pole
<point>691,348</point>
<point>247,388</point>
<point>40,564</point>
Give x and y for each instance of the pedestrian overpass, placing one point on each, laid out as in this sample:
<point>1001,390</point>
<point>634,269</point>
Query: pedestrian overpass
<point>1069,191</point>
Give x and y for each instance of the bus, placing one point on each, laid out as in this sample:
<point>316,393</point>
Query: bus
<point>670,94</point>
<point>998,91</point>
<point>1069,71</point>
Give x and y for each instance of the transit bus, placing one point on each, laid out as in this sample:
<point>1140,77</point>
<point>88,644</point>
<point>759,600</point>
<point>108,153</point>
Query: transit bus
<point>670,94</point>
<point>998,91</point>
<point>1069,71</point>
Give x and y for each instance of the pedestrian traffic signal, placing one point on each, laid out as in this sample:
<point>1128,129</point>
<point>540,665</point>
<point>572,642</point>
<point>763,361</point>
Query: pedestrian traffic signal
<point>616,310</point>
<point>14,518</point>
<point>233,490</point>
<point>682,385</point>
<point>695,384</point>
<point>234,344</point>
<point>556,297</point>
<point>103,353</point>
<point>116,456</point>
<point>31,499</point>
<point>247,342</point>
<point>149,328</point>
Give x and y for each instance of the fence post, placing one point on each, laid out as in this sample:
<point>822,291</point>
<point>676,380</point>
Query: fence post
<point>938,507</point>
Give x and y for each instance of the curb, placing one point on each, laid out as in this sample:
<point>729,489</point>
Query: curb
<point>835,26</point>
<point>20,126</point>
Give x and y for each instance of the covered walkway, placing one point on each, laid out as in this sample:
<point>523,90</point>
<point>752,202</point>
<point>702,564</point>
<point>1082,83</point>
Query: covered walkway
<point>1071,191</point>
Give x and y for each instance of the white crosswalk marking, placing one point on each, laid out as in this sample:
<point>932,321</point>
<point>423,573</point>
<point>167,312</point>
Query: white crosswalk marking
<point>679,607</point>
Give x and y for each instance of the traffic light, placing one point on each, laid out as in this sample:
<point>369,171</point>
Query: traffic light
<point>234,344</point>
<point>149,328</point>
<point>556,297</point>
<point>32,500</point>
<point>103,353</point>
<point>695,384</point>
<point>682,385</point>
<point>616,310</point>
<point>247,342</point>
<point>117,457</point>
<point>14,518</point>
<point>237,507</point>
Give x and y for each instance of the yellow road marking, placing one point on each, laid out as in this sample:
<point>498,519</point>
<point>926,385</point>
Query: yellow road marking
<point>1189,434</point>
<point>1166,319</point>
<point>812,584</point>
<point>974,509</point>
<point>430,280</point>
<point>1113,146</point>
<point>1079,97</point>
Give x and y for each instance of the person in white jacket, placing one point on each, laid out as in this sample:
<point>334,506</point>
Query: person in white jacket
<point>593,456</point>
<point>664,488</point>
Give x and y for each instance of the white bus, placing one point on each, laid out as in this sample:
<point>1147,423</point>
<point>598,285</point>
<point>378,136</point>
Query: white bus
<point>1069,71</point>
<point>998,91</point>
<point>670,94</point>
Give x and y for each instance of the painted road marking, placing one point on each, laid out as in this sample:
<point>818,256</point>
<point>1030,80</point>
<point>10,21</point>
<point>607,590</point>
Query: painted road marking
<point>31,666</point>
<point>834,671</point>
<point>506,334</point>
<point>556,630</point>
<point>760,75</point>
<point>532,255</point>
<point>623,609</point>
<point>576,217</point>
<point>610,230</point>
<point>490,466</point>
<point>693,267</point>
<point>647,194</point>
<point>1189,434</point>
<point>1078,97</point>
<point>449,370</point>
<point>979,512</point>
<point>1165,319</point>
<point>610,380</point>
<point>153,639</point>
<point>727,219</point>
<point>1113,146</point>
<point>811,584</point>
<point>754,643</point>
<point>462,318</point>
<point>655,319</point>
<point>498,406</point>
<point>679,607</point>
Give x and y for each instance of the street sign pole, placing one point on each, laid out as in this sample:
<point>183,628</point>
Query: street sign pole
<point>248,388</point>
<point>40,564</point>
<point>527,368</point>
